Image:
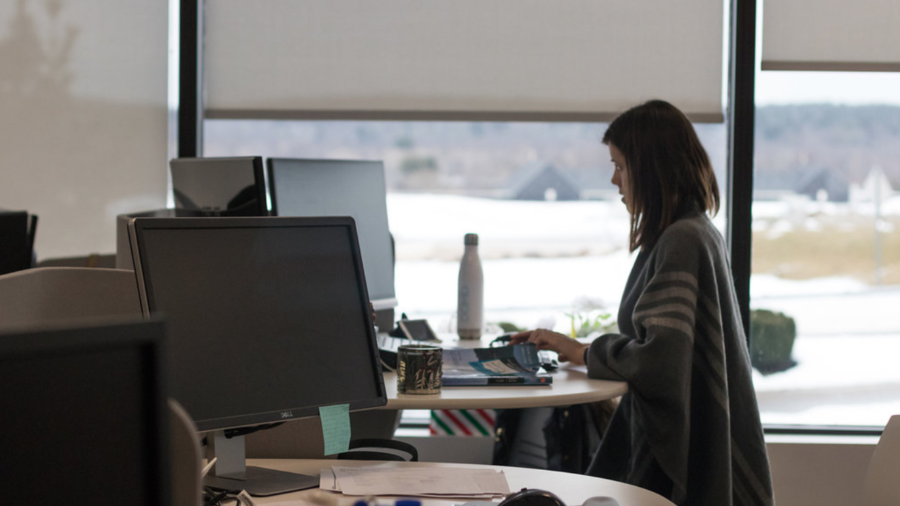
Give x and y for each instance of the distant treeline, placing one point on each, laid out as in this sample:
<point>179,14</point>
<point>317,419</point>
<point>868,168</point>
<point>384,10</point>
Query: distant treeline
<point>842,123</point>
<point>790,140</point>
<point>844,138</point>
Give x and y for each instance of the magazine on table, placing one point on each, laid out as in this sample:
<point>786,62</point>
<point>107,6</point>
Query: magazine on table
<point>516,365</point>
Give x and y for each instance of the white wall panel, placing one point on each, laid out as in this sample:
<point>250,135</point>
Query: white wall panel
<point>83,118</point>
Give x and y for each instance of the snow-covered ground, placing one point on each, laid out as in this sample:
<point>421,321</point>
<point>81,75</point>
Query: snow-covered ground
<point>543,259</point>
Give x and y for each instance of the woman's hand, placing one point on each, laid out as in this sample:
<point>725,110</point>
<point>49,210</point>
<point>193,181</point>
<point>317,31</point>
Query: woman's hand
<point>569,350</point>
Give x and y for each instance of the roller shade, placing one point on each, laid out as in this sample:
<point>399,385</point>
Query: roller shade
<point>83,117</point>
<point>579,60</point>
<point>831,35</point>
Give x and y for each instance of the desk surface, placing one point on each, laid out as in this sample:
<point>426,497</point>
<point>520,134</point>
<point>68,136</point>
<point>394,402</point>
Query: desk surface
<point>570,386</point>
<point>573,489</point>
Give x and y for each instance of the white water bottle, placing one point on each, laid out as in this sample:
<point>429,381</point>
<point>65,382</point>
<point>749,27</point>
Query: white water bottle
<point>470,301</point>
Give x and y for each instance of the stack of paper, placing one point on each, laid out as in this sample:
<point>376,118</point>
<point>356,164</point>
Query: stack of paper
<point>445,482</point>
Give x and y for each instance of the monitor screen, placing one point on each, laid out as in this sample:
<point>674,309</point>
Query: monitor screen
<point>219,186</point>
<point>342,188</point>
<point>83,416</point>
<point>268,318</point>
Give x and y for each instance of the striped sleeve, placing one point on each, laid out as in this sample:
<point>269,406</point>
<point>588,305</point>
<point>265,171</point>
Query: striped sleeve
<point>669,304</point>
<point>655,361</point>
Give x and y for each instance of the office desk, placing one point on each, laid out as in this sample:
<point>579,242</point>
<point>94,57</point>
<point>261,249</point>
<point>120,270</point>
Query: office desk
<point>573,489</point>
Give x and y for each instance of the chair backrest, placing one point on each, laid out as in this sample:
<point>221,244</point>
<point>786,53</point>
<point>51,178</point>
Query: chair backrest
<point>185,457</point>
<point>882,487</point>
<point>380,449</point>
<point>93,260</point>
<point>61,294</point>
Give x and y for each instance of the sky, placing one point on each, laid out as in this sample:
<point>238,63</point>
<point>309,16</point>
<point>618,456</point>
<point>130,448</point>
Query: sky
<point>849,88</point>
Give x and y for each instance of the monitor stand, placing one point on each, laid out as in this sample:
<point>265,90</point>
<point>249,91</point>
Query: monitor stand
<point>231,472</point>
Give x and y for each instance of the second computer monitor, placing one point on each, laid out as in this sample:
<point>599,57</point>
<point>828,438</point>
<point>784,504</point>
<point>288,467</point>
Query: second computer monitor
<point>84,417</point>
<point>355,188</point>
<point>233,186</point>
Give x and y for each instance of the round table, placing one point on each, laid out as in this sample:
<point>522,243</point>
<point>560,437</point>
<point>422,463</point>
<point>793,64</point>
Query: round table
<point>570,386</point>
<point>573,489</point>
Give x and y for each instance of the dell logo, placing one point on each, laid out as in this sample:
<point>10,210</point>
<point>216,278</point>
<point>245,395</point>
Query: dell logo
<point>286,414</point>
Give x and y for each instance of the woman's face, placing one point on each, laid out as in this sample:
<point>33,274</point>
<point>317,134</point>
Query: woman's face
<point>620,175</point>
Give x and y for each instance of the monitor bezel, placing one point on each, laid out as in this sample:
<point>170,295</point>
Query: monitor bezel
<point>137,228</point>
<point>92,334</point>
<point>259,177</point>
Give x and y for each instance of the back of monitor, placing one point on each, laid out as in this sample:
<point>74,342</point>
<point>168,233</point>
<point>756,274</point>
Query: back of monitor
<point>229,186</point>
<point>355,188</point>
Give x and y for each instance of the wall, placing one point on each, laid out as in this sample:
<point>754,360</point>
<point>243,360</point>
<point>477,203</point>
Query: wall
<point>824,471</point>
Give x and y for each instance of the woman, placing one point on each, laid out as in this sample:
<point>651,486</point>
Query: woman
<point>689,426</point>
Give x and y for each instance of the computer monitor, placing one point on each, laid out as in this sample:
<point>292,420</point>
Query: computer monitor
<point>355,188</point>
<point>268,320</point>
<point>17,231</point>
<point>84,417</point>
<point>219,186</point>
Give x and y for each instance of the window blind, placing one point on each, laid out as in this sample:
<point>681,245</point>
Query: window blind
<point>831,35</point>
<point>578,60</point>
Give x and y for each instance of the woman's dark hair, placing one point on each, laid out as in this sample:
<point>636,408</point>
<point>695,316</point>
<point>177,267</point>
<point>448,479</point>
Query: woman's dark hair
<point>668,169</point>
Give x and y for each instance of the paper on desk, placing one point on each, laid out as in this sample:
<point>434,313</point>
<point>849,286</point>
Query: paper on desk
<point>328,482</point>
<point>423,481</point>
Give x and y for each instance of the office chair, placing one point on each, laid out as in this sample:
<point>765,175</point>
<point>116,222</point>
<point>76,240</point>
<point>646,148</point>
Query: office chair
<point>185,457</point>
<point>52,295</point>
<point>380,449</point>
<point>881,487</point>
<point>92,260</point>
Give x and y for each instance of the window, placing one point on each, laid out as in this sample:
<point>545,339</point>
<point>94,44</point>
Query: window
<point>548,262</point>
<point>826,246</point>
<point>553,232</point>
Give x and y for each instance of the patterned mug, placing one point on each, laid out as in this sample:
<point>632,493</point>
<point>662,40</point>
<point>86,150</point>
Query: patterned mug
<point>419,369</point>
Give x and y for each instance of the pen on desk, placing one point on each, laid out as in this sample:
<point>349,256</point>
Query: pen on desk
<point>207,467</point>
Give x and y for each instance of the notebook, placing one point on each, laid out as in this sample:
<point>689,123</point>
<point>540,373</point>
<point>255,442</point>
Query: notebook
<point>516,365</point>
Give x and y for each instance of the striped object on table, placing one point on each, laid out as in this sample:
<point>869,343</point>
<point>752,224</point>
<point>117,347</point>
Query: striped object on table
<point>462,422</point>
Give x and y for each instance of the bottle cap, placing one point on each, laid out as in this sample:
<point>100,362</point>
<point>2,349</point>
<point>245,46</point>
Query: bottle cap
<point>471,240</point>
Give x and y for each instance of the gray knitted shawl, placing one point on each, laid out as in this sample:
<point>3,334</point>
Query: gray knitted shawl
<point>689,426</point>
